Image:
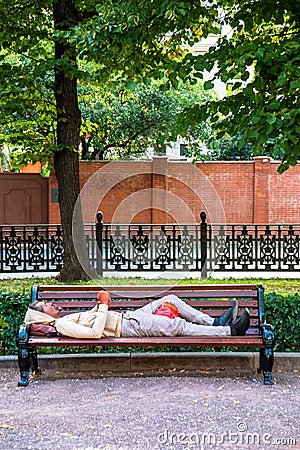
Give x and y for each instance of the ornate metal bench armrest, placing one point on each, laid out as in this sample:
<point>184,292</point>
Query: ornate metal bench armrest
<point>23,335</point>
<point>267,331</point>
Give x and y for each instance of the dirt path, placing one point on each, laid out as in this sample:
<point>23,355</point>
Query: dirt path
<point>147,413</point>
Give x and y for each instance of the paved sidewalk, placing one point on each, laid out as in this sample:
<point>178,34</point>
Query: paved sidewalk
<point>201,411</point>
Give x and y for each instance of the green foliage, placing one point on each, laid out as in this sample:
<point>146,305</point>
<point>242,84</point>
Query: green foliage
<point>124,43</point>
<point>12,311</point>
<point>28,118</point>
<point>283,311</point>
<point>140,39</point>
<point>228,149</point>
<point>261,57</point>
<point>125,122</point>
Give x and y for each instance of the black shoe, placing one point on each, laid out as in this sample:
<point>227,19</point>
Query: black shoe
<point>228,317</point>
<point>240,327</point>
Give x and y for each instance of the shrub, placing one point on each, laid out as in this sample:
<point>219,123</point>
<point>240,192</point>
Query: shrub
<point>283,313</point>
<point>12,310</point>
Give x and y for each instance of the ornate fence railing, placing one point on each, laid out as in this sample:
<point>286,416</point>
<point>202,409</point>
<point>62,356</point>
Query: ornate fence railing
<point>31,248</point>
<point>253,247</point>
<point>199,247</point>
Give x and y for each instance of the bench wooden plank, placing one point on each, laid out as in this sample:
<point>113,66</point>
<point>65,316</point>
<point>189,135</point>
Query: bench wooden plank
<point>159,288</point>
<point>122,304</point>
<point>248,340</point>
<point>148,294</point>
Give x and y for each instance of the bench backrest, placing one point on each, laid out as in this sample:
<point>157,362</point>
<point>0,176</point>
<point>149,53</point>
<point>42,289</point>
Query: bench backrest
<point>211,299</point>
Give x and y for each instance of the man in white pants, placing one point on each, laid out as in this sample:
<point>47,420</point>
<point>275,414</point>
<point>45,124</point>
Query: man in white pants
<point>146,321</point>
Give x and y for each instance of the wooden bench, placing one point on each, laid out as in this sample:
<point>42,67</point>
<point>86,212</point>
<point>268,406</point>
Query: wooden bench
<point>211,299</point>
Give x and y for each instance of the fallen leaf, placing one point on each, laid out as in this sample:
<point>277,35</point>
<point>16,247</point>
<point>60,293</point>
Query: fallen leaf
<point>220,388</point>
<point>4,425</point>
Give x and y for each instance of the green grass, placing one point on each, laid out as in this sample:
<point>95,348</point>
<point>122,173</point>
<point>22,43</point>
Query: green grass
<point>278,285</point>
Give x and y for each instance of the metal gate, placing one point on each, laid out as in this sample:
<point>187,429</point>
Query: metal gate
<point>23,199</point>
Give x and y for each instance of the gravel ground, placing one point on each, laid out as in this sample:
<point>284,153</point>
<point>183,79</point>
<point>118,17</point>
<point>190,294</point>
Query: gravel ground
<point>142,412</point>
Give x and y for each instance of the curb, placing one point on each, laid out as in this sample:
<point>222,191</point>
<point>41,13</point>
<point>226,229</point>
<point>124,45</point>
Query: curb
<point>130,362</point>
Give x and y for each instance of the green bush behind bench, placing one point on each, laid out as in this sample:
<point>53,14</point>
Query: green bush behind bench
<point>282,312</point>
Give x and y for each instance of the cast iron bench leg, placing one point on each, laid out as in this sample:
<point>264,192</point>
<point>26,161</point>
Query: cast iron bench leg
<point>24,357</point>
<point>35,365</point>
<point>266,355</point>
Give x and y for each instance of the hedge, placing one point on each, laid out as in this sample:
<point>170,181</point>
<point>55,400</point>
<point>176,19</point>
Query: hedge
<point>282,312</point>
<point>12,311</point>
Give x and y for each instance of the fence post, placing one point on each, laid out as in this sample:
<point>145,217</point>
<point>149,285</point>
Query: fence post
<point>203,233</point>
<point>99,233</point>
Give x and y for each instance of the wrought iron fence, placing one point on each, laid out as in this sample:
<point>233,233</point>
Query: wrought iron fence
<point>31,248</point>
<point>253,247</point>
<point>147,247</point>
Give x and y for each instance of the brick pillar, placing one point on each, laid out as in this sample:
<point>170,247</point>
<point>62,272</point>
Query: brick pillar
<point>54,211</point>
<point>159,189</point>
<point>261,189</point>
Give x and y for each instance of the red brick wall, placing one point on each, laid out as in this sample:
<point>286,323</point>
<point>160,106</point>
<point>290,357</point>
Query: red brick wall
<point>162,191</point>
<point>234,183</point>
<point>284,195</point>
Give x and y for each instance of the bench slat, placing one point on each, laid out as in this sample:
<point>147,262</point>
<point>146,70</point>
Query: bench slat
<point>156,288</point>
<point>139,303</point>
<point>248,340</point>
<point>213,309</point>
<point>146,294</point>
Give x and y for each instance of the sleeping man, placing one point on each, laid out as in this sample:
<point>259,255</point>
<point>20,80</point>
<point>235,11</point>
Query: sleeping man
<point>168,316</point>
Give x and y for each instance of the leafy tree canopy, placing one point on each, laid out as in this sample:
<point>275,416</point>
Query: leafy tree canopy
<point>117,45</point>
<point>120,42</point>
<point>260,55</point>
<point>124,122</point>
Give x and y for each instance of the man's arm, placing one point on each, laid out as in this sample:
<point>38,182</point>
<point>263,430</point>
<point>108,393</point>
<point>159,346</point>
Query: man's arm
<point>68,326</point>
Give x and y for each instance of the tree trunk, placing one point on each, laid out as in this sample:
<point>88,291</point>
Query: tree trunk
<point>66,159</point>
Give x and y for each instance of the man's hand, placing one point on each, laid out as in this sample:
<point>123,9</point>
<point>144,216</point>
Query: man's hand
<point>103,298</point>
